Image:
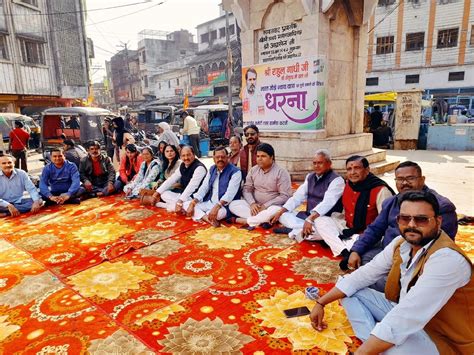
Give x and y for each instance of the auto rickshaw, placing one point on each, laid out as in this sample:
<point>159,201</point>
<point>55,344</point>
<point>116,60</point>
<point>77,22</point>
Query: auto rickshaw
<point>82,124</point>
<point>7,123</point>
<point>151,116</point>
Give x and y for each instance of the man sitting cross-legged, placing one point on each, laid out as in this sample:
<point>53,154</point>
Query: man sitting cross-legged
<point>384,229</point>
<point>267,187</point>
<point>322,191</point>
<point>428,304</point>
<point>362,201</point>
<point>60,180</point>
<point>97,173</point>
<point>13,183</point>
<point>220,186</point>
<point>190,176</point>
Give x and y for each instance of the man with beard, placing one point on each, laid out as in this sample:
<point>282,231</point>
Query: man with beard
<point>252,99</point>
<point>220,187</point>
<point>429,297</point>
<point>190,176</point>
<point>248,154</point>
<point>380,233</point>
<point>97,173</point>
<point>362,200</point>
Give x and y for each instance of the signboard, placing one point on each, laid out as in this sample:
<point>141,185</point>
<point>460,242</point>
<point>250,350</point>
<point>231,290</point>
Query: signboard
<point>179,92</point>
<point>286,96</point>
<point>215,77</point>
<point>203,91</point>
<point>280,43</point>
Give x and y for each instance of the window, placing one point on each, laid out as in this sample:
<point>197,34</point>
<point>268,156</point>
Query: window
<point>30,2</point>
<point>145,79</point>
<point>231,29</point>
<point>177,81</point>
<point>221,32</point>
<point>371,81</point>
<point>205,38</point>
<point>472,36</point>
<point>144,57</point>
<point>448,38</point>
<point>213,35</point>
<point>182,52</point>
<point>169,84</point>
<point>456,76</point>
<point>384,45</point>
<point>32,52</point>
<point>386,2</point>
<point>415,41</point>
<point>3,47</point>
<point>412,79</point>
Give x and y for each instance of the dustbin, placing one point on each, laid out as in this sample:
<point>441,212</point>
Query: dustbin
<point>185,140</point>
<point>204,147</point>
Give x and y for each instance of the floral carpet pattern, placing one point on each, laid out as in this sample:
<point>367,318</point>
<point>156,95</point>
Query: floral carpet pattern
<point>112,277</point>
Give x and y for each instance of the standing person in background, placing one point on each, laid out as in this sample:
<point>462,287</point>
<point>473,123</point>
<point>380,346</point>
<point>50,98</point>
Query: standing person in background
<point>18,145</point>
<point>248,154</point>
<point>376,118</point>
<point>192,130</point>
<point>121,137</point>
<point>235,145</point>
<point>167,135</point>
<point>108,131</point>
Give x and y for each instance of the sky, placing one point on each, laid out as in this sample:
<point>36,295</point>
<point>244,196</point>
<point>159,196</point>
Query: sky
<point>108,32</point>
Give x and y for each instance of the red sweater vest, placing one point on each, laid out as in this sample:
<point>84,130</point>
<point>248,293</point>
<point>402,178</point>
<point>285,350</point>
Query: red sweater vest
<point>349,200</point>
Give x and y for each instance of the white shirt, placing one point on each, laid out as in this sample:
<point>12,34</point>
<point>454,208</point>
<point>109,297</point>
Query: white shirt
<point>232,188</point>
<point>331,196</point>
<point>198,175</point>
<point>444,272</point>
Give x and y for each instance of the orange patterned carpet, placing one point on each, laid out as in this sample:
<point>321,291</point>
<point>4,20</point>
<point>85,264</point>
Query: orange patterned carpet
<point>109,276</point>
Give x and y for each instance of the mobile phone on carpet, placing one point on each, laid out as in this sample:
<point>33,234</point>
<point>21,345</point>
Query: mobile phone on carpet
<point>296,312</point>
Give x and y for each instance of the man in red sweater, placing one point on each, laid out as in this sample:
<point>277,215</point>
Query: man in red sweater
<point>18,145</point>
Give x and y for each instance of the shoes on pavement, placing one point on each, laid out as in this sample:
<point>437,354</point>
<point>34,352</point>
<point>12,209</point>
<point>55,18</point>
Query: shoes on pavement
<point>281,230</point>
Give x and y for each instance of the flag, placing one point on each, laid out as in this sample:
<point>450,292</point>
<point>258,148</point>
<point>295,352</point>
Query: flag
<point>186,102</point>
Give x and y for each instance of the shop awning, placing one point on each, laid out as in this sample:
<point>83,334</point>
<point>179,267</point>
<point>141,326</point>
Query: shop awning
<point>389,96</point>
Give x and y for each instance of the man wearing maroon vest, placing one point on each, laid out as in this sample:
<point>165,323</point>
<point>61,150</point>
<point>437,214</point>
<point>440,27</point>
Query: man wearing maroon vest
<point>248,154</point>
<point>362,201</point>
<point>322,191</point>
<point>428,306</point>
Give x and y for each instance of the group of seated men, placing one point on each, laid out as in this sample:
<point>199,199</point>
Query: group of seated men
<point>401,244</point>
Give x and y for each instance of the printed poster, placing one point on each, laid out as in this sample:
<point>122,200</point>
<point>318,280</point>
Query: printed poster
<point>286,96</point>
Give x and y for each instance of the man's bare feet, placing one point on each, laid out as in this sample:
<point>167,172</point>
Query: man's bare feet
<point>214,224</point>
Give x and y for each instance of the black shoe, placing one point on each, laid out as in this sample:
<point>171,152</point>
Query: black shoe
<point>247,227</point>
<point>282,230</point>
<point>74,201</point>
<point>344,263</point>
<point>266,225</point>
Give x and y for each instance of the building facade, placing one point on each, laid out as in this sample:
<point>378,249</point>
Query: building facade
<point>171,79</point>
<point>43,54</point>
<point>125,78</point>
<point>427,45</point>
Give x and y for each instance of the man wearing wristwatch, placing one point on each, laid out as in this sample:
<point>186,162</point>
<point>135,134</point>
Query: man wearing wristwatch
<point>220,186</point>
<point>322,191</point>
<point>190,176</point>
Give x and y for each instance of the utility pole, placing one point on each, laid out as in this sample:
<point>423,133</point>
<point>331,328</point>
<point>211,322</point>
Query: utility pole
<point>229,71</point>
<point>125,46</point>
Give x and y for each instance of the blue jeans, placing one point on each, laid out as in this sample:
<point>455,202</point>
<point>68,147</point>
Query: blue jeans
<point>367,307</point>
<point>23,206</point>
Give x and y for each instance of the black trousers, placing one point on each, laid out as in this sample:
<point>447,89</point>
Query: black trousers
<point>194,140</point>
<point>20,156</point>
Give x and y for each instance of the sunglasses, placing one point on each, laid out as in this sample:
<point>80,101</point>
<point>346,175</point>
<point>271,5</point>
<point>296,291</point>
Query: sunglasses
<point>420,221</point>
<point>250,134</point>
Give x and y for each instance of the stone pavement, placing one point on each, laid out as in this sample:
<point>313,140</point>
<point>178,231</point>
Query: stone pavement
<point>449,173</point>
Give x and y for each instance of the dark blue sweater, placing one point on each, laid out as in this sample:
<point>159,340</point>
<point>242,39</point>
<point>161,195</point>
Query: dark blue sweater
<point>63,180</point>
<point>385,225</point>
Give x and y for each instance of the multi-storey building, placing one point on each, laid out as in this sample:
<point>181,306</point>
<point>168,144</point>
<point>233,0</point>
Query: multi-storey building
<point>423,44</point>
<point>43,53</point>
<point>171,79</point>
<point>125,78</point>
<point>156,48</point>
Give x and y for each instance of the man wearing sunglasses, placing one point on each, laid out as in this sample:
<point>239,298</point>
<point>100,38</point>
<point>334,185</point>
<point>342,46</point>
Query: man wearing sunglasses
<point>428,303</point>
<point>379,234</point>
<point>248,154</point>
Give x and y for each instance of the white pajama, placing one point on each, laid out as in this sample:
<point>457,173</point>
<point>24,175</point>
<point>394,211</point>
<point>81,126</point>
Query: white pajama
<point>241,208</point>
<point>203,208</point>
<point>290,220</point>
<point>329,228</point>
<point>170,199</point>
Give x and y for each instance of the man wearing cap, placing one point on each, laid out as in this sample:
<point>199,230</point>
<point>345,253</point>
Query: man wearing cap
<point>190,176</point>
<point>13,183</point>
<point>321,190</point>
<point>97,173</point>
<point>220,186</point>
<point>267,188</point>
<point>72,152</point>
<point>60,180</point>
<point>18,145</point>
